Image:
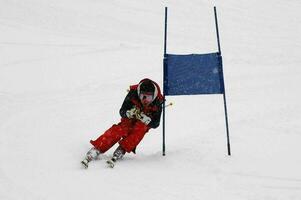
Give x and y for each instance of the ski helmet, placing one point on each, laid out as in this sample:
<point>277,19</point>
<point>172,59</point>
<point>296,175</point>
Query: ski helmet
<point>147,91</point>
<point>147,86</point>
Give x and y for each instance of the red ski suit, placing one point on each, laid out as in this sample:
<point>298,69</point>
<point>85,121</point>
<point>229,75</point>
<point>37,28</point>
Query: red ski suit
<point>129,132</point>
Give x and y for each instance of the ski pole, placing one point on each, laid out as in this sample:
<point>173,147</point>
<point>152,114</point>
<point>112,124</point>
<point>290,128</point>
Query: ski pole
<point>170,104</point>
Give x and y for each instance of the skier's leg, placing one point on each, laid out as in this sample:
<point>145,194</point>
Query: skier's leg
<point>113,135</point>
<point>130,142</point>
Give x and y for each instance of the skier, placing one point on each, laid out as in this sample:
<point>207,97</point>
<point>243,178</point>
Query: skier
<point>140,111</point>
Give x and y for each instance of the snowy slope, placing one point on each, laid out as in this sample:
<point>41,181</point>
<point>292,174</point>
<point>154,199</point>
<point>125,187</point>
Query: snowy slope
<point>64,70</point>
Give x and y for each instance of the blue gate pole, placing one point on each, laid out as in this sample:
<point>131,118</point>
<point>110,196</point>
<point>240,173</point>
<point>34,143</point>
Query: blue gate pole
<point>223,86</point>
<point>164,73</point>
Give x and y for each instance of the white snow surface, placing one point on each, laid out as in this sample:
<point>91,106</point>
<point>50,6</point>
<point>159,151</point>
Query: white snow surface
<point>65,66</point>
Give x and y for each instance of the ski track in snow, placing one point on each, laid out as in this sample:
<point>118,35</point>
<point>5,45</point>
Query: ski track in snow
<point>65,67</point>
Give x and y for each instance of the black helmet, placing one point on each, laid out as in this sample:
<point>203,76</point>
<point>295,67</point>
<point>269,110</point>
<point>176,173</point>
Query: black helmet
<point>147,86</point>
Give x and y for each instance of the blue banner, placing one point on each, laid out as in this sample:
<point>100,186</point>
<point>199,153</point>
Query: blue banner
<point>193,74</point>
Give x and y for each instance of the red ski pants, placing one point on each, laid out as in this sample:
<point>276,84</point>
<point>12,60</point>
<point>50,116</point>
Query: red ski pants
<point>128,133</point>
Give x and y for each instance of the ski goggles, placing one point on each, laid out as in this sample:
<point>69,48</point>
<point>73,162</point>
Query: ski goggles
<point>148,97</point>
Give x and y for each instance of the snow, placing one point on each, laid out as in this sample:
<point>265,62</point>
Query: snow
<point>65,67</point>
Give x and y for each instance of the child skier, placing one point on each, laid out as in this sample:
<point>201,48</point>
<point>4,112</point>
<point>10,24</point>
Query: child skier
<point>140,111</point>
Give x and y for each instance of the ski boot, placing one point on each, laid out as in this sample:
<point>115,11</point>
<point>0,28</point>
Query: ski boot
<point>118,154</point>
<point>92,154</point>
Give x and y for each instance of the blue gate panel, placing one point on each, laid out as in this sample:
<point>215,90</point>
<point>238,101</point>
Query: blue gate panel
<point>193,74</point>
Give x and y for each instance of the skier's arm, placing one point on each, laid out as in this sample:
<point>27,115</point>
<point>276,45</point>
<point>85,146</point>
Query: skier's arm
<point>127,104</point>
<point>156,117</point>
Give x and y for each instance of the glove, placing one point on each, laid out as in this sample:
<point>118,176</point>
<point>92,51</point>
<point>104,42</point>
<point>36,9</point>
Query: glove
<point>132,113</point>
<point>144,118</point>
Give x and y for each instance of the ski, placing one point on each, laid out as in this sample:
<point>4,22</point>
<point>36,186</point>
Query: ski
<point>111,163</point>
<point>85,164</point>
